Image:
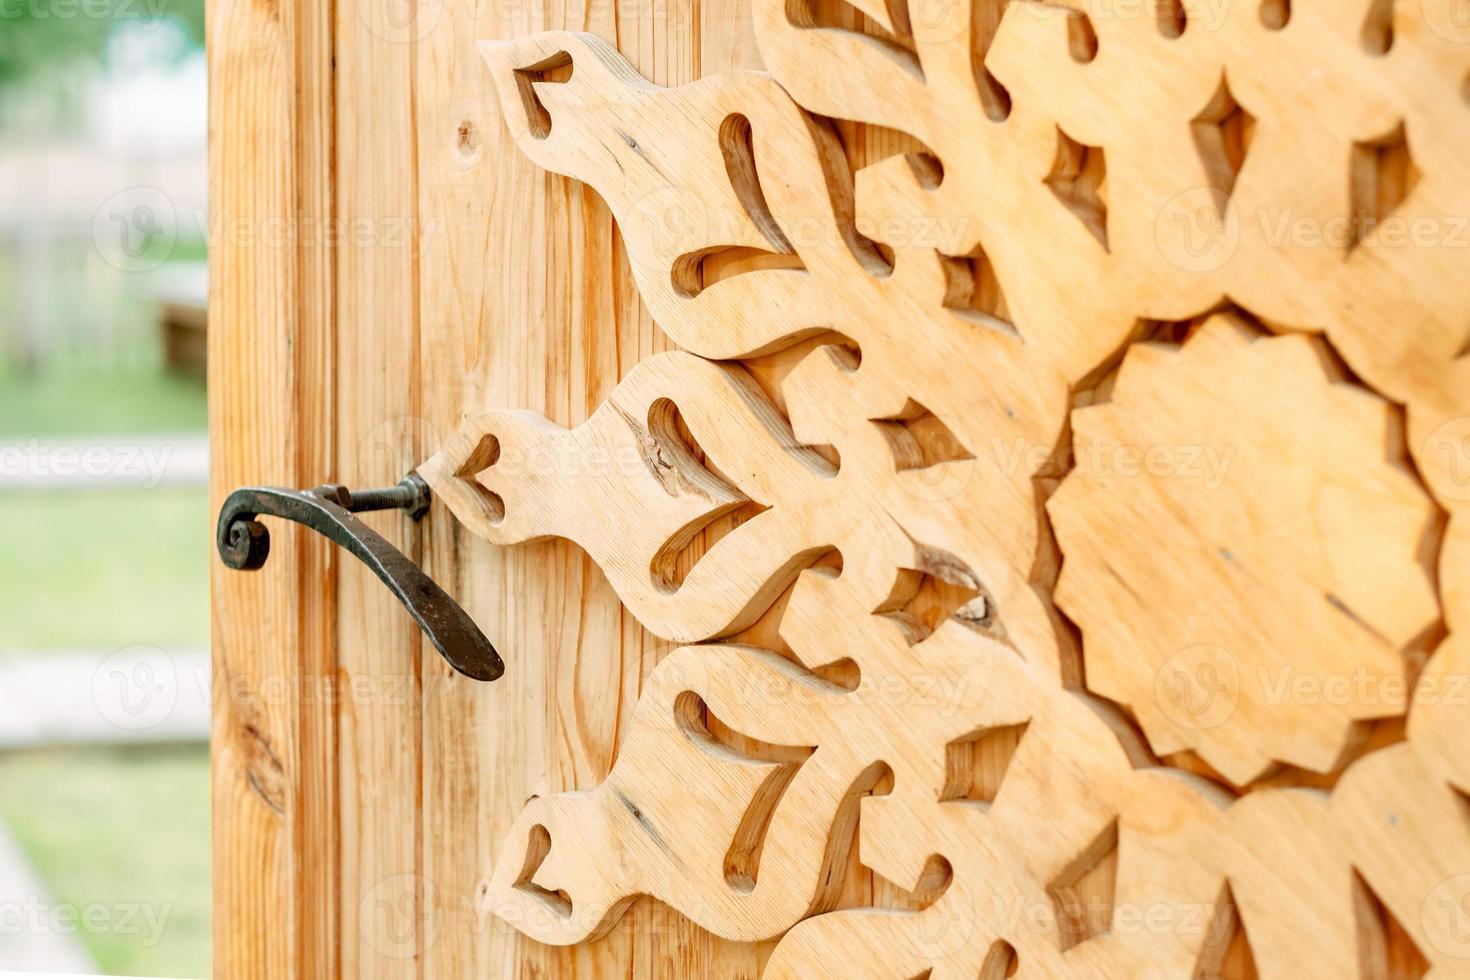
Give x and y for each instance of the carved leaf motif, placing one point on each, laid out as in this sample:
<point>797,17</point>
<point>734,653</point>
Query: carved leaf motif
<point>792,191</point>
<point>744,808</point>
<point>1082,181</point>
<point>515,478</point>
<point>685,194</point>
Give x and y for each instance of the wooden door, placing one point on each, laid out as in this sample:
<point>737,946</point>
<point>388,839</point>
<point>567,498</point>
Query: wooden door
<point>386,265</point>
<point>1163,403</point>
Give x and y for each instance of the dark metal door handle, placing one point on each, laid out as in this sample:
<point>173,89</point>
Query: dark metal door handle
<point>244,543</point>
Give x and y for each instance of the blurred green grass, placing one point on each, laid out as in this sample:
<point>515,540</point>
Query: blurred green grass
<point>79,402</point>
<point>119,828</point>
<point>104,569</point>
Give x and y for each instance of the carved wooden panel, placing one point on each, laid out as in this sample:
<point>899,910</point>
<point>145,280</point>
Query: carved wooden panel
<point>1091,469</point>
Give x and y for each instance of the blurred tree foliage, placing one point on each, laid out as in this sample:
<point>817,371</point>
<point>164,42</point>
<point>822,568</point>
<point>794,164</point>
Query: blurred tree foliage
<point>38,34</point>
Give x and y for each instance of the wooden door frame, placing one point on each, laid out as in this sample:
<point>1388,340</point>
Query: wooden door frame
<point>272,343</point>
<point>322,116</point>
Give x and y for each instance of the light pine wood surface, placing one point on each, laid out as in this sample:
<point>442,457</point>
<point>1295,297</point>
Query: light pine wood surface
<point>272,360</point>
<point>370,132</point>
<point>1043,424</point>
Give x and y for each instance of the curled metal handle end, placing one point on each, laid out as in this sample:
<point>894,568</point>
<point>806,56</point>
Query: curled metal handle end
<point>244,543</point>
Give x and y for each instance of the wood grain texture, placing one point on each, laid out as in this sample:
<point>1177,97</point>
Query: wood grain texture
<point>272,418</point>
<point>1074,268</point>
<point>933,280</point>
<point>525,299</point>
<point>418,196</point>
<point>385,928</point>
<point>1298,557</point>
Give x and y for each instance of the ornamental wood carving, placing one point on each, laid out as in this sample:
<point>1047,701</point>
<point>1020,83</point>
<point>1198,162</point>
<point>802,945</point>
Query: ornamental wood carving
<point>1093,466</point>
